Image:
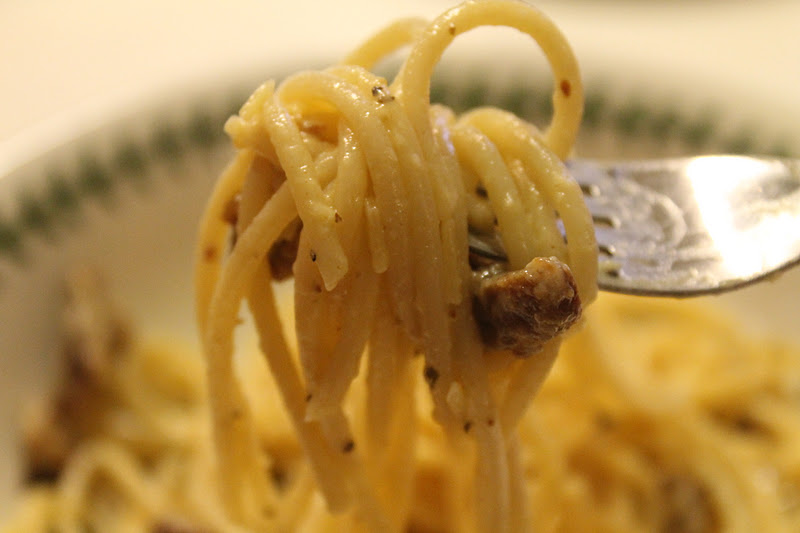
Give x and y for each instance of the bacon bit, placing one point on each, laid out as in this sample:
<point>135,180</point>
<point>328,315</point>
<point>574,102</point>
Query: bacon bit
<point>523,309</point>
<point>96,338</point>
<point>566,88</point>
<point>283,251</point>
<point>337,217</point>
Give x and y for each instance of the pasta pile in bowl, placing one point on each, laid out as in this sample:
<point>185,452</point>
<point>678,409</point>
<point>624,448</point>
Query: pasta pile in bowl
<point>388,377</point>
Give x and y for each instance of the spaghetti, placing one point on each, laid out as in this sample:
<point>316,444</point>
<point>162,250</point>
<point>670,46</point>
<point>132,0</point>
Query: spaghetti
<point>386,190</point>
<point>657,416</point>
<point>389,383</point>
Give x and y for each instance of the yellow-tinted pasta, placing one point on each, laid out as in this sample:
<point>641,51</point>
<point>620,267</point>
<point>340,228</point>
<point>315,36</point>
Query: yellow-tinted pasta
<point>657,416</point>
<point>371,399</point>
<point>374,174</point>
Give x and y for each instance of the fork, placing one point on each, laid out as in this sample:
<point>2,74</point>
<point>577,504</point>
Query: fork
<point>688,226</point>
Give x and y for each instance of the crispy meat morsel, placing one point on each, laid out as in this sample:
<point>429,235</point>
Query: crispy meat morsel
<point>95,336</point>
<point>283,251</point>
<point>264,179</point>
<point>522,309</point>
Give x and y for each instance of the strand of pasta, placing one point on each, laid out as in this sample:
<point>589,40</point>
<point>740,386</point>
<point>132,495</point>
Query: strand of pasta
<point>329,470</point>
<point>386,41</point>
<point>390,415</point>
<point>525,382</point>
<point>492,483</point>
<point>451,195</point>
<point>233,428</point>
<point>117,466</point>
<point>213,230</point>
<point>414,77</point>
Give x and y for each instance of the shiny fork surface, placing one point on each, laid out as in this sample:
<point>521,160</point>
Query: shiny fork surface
<point>691,226</point>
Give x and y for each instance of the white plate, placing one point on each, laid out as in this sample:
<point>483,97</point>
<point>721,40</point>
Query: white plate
<point>126,197</point>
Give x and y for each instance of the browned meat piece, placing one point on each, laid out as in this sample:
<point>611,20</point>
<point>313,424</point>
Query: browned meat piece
<point>522,309</point>
<point>283,251</point>
<point>95,337</point>
<point>264,179</point>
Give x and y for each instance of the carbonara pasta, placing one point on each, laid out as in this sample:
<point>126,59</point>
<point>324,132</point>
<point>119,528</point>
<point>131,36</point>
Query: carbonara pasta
<point>658,416</point>
<point>368,195</point>
<point>388,384</point>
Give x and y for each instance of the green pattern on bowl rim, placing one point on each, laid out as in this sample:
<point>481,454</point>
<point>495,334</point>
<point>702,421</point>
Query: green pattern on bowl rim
<point>611,127</point>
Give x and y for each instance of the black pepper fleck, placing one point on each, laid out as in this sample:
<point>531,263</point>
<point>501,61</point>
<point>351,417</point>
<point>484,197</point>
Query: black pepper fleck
<point>431,376</point>
<point>381,94</point>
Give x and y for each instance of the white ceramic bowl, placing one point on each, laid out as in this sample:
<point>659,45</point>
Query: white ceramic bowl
<point>126,197</point>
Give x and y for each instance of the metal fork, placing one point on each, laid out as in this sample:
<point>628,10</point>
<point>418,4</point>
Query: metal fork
<point>690,226</point>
